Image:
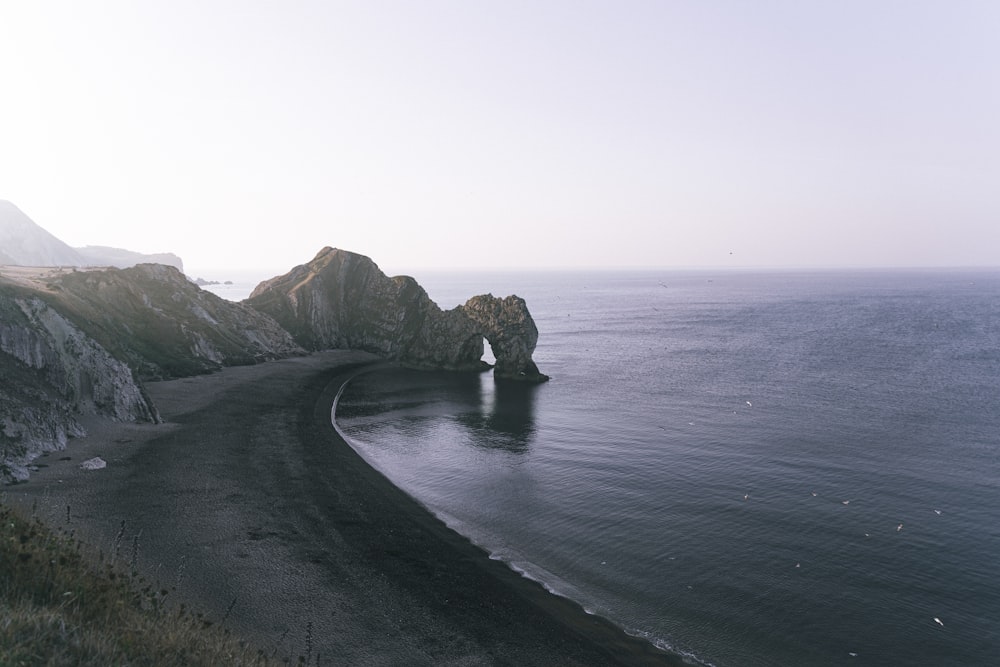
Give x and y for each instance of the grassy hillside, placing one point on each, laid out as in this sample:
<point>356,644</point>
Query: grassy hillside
<point>59,607</point>
<point>153,318</point>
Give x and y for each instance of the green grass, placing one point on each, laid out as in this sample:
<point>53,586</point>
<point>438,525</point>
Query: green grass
<point>60,607</point>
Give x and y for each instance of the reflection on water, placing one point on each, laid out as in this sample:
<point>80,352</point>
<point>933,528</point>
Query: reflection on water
<point>506,414</point>
<point>490,414</point>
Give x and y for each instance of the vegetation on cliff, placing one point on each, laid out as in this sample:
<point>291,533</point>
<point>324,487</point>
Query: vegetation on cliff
<point>163,325</point>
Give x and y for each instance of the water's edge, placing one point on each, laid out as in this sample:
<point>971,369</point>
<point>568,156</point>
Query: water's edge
<point>526,570</point>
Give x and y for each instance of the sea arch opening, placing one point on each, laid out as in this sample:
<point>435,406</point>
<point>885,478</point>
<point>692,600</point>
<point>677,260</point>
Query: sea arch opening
<point>488,355</point>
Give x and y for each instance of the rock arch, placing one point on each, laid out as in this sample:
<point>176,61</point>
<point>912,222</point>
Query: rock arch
<point>511,332</point>
<point>342,300</point>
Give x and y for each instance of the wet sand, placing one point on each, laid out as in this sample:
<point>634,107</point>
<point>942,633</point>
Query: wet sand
<point>248,503</point>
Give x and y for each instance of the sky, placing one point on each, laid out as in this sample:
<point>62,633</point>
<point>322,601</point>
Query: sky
<point>513,135</point>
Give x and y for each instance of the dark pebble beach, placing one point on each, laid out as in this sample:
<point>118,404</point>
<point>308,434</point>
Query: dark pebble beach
<point>249,507</point>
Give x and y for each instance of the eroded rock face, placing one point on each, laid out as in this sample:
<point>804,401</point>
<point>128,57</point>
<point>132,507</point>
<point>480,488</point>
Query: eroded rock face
<point>508,326</point>
<point>343,300</point>
<point>53,372</point>
<point>80,343</point>
<point>76,365</point>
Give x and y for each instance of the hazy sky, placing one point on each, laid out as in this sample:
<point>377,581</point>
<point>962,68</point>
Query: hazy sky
<point>509,134</point>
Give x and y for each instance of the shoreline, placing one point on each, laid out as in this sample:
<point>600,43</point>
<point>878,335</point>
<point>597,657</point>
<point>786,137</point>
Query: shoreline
<point>249,504</point>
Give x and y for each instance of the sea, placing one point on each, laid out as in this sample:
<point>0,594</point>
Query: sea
<point>745,468</point>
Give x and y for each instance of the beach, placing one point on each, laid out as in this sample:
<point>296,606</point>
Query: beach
<point>252,510</point>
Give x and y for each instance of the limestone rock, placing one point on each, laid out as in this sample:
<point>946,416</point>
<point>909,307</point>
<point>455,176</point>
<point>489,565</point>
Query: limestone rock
<point>343,300</point>
<point>508,326</point>
<point>80,343</point>
<point>96,463</point>
<point>53,373</point>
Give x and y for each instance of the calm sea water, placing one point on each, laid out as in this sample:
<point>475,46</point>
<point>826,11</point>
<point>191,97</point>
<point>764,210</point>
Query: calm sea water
<point>747,468</point>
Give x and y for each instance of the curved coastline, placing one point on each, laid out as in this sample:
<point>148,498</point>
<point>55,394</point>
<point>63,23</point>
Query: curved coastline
<point>254,510</point>
<point>624,648</point>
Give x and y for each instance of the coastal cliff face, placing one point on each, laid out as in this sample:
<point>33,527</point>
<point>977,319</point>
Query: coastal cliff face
<point>53,372</point>
<point>343,300</point>
<point>81,343</point>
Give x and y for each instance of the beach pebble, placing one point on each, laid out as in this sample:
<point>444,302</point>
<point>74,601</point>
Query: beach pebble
<point>95,463</point>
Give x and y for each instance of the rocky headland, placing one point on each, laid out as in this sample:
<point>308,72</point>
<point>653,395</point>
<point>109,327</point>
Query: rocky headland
<point>78,343</point>
<point>342,300</point>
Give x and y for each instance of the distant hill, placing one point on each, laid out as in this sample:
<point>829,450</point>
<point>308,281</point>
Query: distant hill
<point>97,255</point>
<point>25,243</point>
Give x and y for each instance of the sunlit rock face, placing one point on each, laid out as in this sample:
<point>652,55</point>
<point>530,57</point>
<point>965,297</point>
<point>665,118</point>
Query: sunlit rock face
<point>343,300</point>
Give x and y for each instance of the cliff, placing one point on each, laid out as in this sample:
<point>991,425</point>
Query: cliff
<point>343,300</point>
<point>75,343</point>
<point>53,373</point>
<point>82,342</point>
<point>163,325</point>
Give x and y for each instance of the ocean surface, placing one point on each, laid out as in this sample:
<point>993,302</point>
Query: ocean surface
<point>748,468</point>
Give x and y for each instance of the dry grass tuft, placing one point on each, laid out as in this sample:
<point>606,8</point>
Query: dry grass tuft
<point>57,608</point>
